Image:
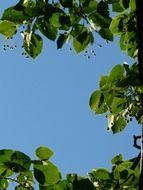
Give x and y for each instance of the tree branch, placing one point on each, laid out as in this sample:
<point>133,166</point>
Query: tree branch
<point>135,142</point>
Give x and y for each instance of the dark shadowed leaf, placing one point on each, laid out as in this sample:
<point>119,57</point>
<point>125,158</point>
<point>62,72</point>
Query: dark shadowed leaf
<point>82,41</point>
<point>66,3</point>
<point>106,34</point>
<point>83,184</point>
<point>88,6</point>
<point>47,30</point>
<point>61,40</point>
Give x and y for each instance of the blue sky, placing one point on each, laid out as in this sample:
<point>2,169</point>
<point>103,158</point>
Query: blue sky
<point>46,102</point>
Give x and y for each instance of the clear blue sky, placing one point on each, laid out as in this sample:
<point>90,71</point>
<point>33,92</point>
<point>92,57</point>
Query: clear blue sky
<point>45,102</point>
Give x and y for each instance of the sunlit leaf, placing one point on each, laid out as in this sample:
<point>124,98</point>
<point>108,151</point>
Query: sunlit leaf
<point>117,24</point>
<point>103,81</point>
<point>117,159</point>
<point>15,16</point>
<point>123,41</point>
<point>7,28</point>
<point>61,185</point>
<point>117,104</point>
<point>131,43</point>
<point>119,125</point>
<point>4,183</point>
<point>101,174</point>
<point>46,174</point>
<point>54,20</point>
<point>132,5</point>
<point>116,73</point>
<point>33,44</point>
<point>94,100</point>
<point>44,152</point>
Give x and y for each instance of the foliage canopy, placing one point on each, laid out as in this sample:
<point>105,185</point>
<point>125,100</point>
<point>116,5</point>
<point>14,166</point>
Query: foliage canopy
<point>119,95</point>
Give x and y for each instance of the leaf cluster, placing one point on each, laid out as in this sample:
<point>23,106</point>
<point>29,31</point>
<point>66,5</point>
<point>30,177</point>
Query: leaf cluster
<point>119,96</point>
<point>62,21</point>
<point>18,168</point>
<point>70,20</point>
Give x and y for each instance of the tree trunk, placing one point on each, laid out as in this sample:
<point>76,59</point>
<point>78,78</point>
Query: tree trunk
<point>139,17</point>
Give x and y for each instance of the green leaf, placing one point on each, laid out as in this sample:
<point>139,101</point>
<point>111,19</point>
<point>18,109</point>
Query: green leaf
<point>119,125</point>
<point>116,7</point>
<point>123,41</point>
<point>83,184</point>
<point>3,184</point>
<point>65,22</point>
<point>117,104</point>
<point>46,174</point>
<point>103,81</point>
<point>103,9</point>
<point>116,73</point>
<point>75,18</point>
<point>77,30</point>
<point>18,162</point>
<point>132,44</point>
<point>66,3</point>
<point>100,20</point>
<point>82,41</point>
<point>33,44</point>
<point>122,173</point>
<point>13,161</point>
<point>54,20</point>
<point>117,159</point>
<point>5,155</point>
<point>47,30</point>
<point>88,6</point>
<point>95,100</point>
<point>44,153</point>
<point>15,16</point>
<point>101,174</point>
<point>71,178</point>
<point>7,28</point>
<point>106,34</point>
<point>62,185</point>
<point>61,40</point>
<point>132,5</point>
<point>124,4</point>
<point>118,23</point>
